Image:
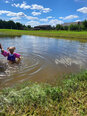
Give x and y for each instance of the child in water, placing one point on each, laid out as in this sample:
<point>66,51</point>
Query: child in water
<point>11,56</point>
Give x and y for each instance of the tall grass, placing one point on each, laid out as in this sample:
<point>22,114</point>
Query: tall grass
<point>33,99</point>
<point>73,35</point>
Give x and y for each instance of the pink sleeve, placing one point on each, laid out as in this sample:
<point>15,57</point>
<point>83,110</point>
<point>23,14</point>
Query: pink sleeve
<point>4,53</point>
<point>17,55</point>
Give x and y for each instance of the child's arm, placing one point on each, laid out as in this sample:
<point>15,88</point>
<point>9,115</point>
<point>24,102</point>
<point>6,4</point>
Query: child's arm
<point>1,48</point>
<point>3,52</point>
<point>18,60</point>
<point>18,56</point>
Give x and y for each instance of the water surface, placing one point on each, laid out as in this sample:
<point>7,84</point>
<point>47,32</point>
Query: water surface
<point>43,59</point>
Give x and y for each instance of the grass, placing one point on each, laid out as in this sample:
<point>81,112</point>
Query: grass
<point>33,99</point>
<point>73,35</point>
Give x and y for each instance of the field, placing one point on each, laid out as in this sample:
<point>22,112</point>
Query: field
<point>33,99</point>
<point>72,35</point>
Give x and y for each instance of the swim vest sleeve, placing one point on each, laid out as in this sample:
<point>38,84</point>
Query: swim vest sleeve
<point>5,53</point>
<point>17,55</point>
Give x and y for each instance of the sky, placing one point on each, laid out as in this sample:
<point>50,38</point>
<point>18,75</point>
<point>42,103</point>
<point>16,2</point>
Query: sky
<point>43,12</point>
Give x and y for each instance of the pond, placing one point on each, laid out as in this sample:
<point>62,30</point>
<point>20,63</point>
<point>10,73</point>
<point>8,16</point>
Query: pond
<point>43,59</point>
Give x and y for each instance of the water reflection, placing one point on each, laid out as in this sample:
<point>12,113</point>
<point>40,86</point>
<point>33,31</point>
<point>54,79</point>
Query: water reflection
<point>7,36</point>
<point>44,59</point>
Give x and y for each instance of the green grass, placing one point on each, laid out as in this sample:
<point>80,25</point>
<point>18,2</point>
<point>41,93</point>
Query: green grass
<point>73,35</point>
<point>33,99</point>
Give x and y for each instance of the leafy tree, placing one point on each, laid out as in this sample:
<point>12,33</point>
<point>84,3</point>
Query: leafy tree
<point>85,24</point>
<point>11,25</point>
<point>74,27</point>
<point>19,26</point>
<point>65,27</point>
<point>1,24</point>
<point>29,26</point>
<point>59,27</point>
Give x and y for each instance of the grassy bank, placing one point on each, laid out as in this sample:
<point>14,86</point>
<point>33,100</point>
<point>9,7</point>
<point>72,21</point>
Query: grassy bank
<point>82,35</point>
<point>32,99</point>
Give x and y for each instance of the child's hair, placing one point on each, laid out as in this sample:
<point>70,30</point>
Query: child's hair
<point>11,49</point>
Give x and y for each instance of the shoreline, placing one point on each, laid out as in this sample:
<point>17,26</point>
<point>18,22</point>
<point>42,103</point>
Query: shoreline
<point>70,35</point>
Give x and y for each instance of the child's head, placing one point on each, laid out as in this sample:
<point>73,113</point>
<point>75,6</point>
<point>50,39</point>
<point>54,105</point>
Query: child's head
<point>11,49</point>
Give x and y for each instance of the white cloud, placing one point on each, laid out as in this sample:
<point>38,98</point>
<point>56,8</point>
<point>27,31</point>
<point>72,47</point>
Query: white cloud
<point>69,17</point>
<point>33,23</point>
<point>61,17</point>
<point>82,10</point>
<point>54,22</point>
<point>21,14</point>
<point>4,11</point>
<point>44,20</point>
<point>32,7</point>
<point>46,10</point>
<point>7,2</point>
<point>15,18</point>
<point>36,13</point>
<point>36,7</point>
<point>23,5</point>
<point>11,14</point>
<point>78,21</point>
<point>49,17</point>
<point>17,15</point>
<point>31,18</point>
<point>40,7</point>
<point>16,5</point>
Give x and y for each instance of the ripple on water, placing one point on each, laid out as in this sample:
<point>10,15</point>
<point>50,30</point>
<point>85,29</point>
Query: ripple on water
<point>66,61</point>
<point>3,68</point>
<point>29,65</point>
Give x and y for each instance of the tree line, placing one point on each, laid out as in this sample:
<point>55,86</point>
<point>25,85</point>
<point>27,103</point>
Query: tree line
<point>12,25</point>
<point>72,27</point>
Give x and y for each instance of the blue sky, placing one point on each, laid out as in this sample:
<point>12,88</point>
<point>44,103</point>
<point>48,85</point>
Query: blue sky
<point>39,12</point>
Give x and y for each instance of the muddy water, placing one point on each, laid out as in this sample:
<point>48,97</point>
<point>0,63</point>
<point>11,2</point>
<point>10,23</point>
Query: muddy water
<point>43,59</point>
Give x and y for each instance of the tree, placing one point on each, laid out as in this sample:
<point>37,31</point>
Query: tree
<point>1,24</point>
<point>85,24</point>
<point>11,25</point>
<point>59,27</point>
<point>74,27</point>
<point>29,26</point>
<point>19,26</point>
<point>66,27</point>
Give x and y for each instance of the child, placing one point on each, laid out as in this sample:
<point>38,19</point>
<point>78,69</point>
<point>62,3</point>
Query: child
<point>11,56</point>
